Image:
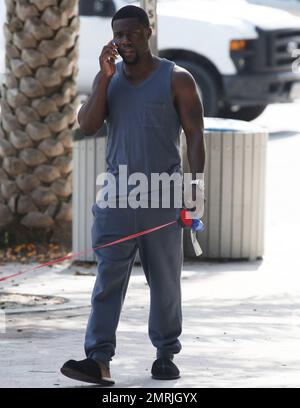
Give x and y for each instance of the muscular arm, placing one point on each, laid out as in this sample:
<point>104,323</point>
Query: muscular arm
<point>189,107</point>
<point>93,113</point>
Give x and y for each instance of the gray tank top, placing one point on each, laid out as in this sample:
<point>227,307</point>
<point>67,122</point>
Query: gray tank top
<point>143,125</point>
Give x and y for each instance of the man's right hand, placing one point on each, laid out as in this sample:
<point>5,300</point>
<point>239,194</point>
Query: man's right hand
<point>107,59</point>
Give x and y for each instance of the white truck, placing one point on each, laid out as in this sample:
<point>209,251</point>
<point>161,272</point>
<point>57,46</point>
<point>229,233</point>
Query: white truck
<point>243,56</point>
<point>292,6</point>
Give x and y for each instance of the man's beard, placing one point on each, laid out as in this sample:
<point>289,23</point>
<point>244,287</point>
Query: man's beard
<point>131,62</point>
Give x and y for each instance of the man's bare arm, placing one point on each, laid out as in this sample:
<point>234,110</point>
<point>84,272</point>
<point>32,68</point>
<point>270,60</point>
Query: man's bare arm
<point>189,107</point>
<point>93,113</point>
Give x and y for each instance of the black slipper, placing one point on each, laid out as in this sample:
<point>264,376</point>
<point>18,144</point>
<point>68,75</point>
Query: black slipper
<point>87,370</point>
<point>164,369</point>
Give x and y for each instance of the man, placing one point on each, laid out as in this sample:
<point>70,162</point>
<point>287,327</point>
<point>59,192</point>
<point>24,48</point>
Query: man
<point>145,101</point>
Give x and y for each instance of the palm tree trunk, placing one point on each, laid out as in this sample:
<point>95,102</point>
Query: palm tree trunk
<point>38,114</point>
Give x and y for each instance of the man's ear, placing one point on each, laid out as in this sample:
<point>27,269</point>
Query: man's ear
<point>149,34</point>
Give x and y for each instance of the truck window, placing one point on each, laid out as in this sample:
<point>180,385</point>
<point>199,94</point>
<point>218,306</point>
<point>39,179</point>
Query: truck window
<point>100,8</point>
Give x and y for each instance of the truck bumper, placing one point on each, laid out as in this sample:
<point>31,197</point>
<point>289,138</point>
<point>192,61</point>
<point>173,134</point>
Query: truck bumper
<point>261,89</point>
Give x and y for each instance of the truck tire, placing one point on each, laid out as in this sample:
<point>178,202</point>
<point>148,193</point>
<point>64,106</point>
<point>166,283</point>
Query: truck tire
<point>245,113</point>
<point>206,84</point>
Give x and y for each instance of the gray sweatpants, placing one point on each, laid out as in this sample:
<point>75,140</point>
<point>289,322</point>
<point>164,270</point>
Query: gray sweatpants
<point>161,257</point>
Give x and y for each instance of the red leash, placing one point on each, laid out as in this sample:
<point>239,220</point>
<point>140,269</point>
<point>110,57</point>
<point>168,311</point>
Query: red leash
<point>138,234</point>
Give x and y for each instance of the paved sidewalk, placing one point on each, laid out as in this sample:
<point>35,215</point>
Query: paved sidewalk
<point>241,319</point>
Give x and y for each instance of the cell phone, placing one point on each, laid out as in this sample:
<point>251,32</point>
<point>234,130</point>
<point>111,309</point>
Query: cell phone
<point>116,46</point>
<point>112,60</point>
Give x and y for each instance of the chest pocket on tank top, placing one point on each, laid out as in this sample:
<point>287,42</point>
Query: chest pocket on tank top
<point>154,115</point>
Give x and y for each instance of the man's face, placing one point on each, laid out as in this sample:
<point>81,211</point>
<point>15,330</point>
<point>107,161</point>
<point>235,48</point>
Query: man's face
<point>131,38</point>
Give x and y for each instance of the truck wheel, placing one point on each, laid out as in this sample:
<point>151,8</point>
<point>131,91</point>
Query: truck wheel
<point>245,113</point>
<point>206,85</point>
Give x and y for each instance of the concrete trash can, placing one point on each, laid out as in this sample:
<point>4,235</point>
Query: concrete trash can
<point>235,174</point>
